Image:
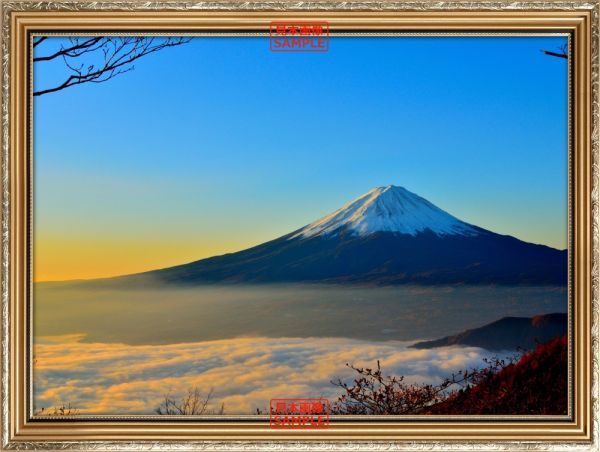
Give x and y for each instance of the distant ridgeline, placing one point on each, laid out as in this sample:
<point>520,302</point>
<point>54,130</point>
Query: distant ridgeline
<point>508,333</point>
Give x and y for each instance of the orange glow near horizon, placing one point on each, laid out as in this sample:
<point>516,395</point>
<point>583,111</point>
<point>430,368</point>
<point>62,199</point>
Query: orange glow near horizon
<point>62,258</point>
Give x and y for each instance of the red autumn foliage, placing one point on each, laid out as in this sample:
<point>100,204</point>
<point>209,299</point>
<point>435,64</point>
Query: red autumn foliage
<point>536,383</point>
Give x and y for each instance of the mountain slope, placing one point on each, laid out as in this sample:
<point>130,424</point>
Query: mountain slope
<point>387,236</point>
<point>508,333</point>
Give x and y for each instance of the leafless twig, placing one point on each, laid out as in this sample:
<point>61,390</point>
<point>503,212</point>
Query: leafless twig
<point>193,403</point>
<point>562,53</point>
<point>98,59</point>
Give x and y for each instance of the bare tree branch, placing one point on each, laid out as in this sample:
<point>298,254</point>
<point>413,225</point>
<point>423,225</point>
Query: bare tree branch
<point>563,53</point>
<point>372,392</point>
<point>106,57</point>
<point>64,409</point>
<point>193,403</point>
<point>39,40</point>
<point>559,55</point>
<point>73,51</point>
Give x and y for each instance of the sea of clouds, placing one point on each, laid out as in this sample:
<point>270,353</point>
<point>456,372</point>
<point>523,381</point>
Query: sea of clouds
<point>244,373</point>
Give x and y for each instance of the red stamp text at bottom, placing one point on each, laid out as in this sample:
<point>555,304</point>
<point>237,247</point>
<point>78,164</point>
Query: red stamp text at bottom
<point>299,413</point>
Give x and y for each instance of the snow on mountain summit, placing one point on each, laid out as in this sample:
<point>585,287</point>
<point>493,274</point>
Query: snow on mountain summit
<point>388,209</point>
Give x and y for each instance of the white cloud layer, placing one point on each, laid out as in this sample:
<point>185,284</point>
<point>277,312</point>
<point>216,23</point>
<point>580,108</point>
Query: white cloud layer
<point>102,378</point>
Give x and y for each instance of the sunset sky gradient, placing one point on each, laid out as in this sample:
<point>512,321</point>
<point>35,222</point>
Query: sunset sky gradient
<point>220,144</point>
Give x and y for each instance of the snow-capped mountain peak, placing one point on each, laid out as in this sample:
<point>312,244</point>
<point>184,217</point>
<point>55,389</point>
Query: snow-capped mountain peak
<point>388,209</point>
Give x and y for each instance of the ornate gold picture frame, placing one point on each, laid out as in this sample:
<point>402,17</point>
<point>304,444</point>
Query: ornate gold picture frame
<point>22,21</point>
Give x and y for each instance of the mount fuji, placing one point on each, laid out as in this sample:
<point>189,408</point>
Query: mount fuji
<point>387,236</point>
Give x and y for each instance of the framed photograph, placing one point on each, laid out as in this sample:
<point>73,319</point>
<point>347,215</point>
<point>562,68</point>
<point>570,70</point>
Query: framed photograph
<point>300,225</point>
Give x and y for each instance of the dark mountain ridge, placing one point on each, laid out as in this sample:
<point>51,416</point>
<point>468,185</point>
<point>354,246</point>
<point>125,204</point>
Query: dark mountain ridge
<point>508,333</point>
<point>381,258</point>
<point>387,236</point>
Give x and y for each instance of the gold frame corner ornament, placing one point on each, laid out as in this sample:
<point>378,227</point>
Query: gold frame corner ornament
<point>578,19</point>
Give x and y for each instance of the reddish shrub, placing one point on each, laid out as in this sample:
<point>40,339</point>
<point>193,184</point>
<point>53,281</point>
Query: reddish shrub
<point>535,384</point>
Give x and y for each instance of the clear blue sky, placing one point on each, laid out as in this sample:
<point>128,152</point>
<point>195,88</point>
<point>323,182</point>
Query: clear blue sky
<point>220,144</point>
